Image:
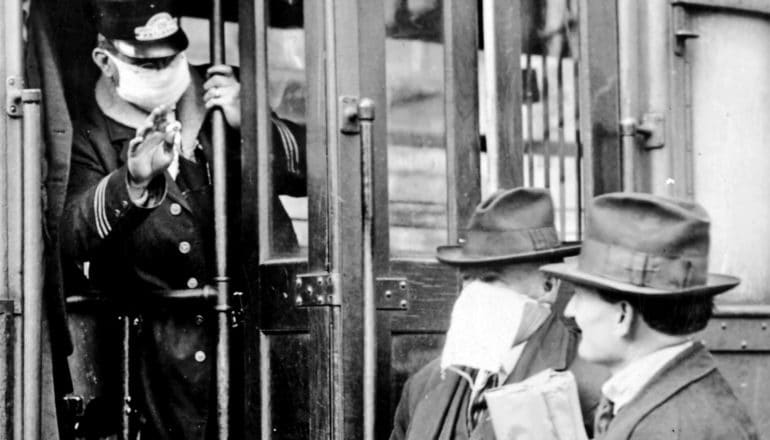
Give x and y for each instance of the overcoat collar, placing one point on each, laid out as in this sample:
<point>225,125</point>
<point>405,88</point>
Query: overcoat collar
<point>686,368</point>
<point>438,413</point>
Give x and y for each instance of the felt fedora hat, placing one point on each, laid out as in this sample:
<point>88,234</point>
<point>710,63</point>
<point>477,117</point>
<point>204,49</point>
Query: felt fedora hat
<point>141,28</point>
<point>510,226</point>
<point>644,244</point>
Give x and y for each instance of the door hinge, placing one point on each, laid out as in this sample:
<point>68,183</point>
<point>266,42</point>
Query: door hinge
<point>393,293</point>
<point>316,289</point>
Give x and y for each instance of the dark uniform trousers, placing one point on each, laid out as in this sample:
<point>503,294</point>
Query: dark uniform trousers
<point>136,252</point>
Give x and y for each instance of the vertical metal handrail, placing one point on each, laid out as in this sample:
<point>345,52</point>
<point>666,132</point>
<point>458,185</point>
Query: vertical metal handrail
<point>125,377</point>
<point>32,268</point>
<point>219,142</point>
<point>628,54</point>
<point>366,117</point>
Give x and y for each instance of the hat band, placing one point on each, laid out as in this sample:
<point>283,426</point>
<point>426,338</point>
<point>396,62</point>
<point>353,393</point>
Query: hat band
<point>492,243</point>
<point>641,269</point>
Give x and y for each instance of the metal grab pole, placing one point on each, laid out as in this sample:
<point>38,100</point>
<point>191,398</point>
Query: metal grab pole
<point>628,53</point>
<point>366,117</point>
<point>217,49</point>
<point>125,377</point>
<point>32,304</point>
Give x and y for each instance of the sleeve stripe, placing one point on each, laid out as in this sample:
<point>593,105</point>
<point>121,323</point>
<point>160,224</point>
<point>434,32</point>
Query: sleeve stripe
<point>289,144</point>
<point>279,125</point>
<point>99,229</point>
<point>103,226</point>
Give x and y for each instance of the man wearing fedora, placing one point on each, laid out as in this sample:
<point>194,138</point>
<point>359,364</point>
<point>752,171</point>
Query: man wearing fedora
<point>506,324</point>
<point>139,208</point>
<point>642,290</point>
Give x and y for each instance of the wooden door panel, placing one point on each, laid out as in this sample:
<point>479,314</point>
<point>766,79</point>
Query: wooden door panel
<point>275,306</point>
<point>433,291</point>
<point>284,385</point>
<point>410,339</point>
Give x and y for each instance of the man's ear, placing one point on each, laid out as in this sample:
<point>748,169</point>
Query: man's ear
<point>626,319</point>
<point>103,62</point>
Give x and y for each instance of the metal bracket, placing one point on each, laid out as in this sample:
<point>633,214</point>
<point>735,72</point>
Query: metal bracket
<point>393,293</point>
<point>682,33</point>
<point>13,88</point>
<point>317,289</point>
<point>236,312</point>
<point>10,307</point>
<point>653,127</point>
<point>348,115</point>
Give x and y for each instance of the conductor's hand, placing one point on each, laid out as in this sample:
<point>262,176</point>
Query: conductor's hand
<point>222,90</point>
<point>151,151</point>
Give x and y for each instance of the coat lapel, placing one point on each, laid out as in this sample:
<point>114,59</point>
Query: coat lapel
<point>436,415</point>
<point>684,369</point>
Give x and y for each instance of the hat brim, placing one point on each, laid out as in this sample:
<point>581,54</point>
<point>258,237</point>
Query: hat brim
<point>715,283</point>
<point>456,255</point>
<point>166,47</point>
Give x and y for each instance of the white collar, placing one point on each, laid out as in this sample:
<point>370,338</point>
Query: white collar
<point>626,384</point>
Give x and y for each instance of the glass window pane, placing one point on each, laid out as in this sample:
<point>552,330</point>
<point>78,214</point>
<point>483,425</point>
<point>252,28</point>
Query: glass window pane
<point>416,144</point>
<point>549,108</point>
<point>287,94</point>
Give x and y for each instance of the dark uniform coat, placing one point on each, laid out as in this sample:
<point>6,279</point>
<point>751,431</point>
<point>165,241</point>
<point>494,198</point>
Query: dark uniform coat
<point>133,253</point>
<point>432,408</point>
<point>688,399</point>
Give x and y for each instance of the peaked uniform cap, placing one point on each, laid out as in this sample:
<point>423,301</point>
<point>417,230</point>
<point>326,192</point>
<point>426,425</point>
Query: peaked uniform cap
<point>141,28</point>
<point>509,226</point>
<point>645,244</point>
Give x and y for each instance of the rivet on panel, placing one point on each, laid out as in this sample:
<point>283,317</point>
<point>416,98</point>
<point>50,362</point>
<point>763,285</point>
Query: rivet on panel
<point>388,294</point>
<point>724,326</point>
<point>403,303</point>
<point>744,344</point>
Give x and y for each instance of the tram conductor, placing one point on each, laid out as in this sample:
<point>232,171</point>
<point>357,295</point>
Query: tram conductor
<point>139,212</point>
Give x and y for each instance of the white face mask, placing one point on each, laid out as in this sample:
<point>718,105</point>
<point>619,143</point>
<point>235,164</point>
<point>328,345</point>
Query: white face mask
<point>487,321</point>
<point>150,88</point>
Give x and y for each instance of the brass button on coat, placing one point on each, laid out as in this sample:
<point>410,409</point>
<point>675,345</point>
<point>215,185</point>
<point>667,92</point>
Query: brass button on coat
<point>192,283</point>
<point>184,247</point>
<point>175,209</point>
<point>200,356</point>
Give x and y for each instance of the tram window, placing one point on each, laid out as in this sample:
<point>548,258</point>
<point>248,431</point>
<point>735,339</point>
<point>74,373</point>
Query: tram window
<point>197,30</point>
<point>416,145</point>
<point>287,94</point>
<point>549,108</point>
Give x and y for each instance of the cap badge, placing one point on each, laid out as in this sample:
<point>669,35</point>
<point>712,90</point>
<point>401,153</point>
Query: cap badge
<point>160,25</point>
